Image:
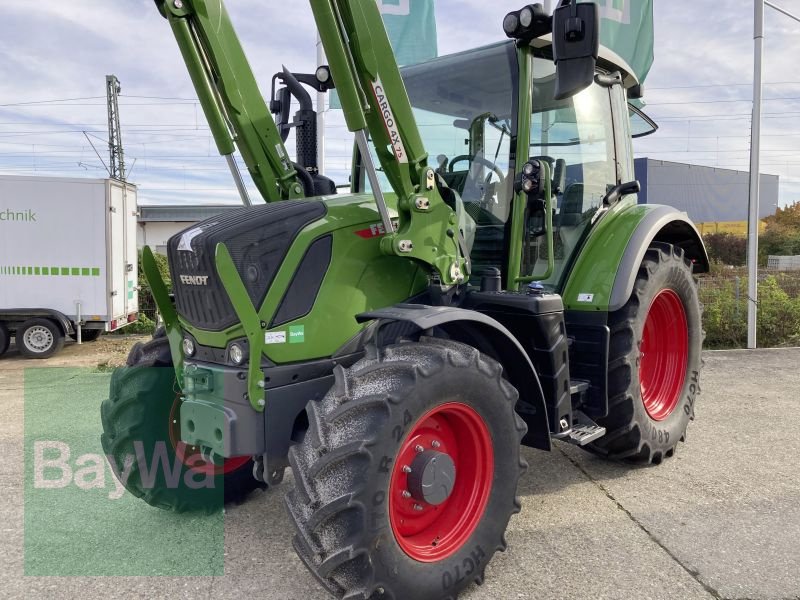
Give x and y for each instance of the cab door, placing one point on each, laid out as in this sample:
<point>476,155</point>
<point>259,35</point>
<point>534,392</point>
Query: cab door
<point>577,138</point>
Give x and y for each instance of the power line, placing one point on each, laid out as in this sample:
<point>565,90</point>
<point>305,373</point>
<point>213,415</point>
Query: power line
<point>33,102</point>
<point>719,101</point>
<point>711,85</point>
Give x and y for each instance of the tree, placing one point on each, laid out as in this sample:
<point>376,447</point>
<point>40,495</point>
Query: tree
<point>782,236</point>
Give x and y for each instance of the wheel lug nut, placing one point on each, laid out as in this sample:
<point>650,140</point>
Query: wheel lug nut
<point>436,443</point>
<point>418,507</point>
<point>419,448</point>
<point>406,469</point>
<point>405,494</point>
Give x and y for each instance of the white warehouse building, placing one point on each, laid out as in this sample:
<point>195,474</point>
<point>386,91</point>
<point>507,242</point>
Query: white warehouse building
<point>158,223</point>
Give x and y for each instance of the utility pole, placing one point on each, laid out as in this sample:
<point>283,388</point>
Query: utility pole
<point>755,168</point>
<point>116,165</point>
<point>755,178</point>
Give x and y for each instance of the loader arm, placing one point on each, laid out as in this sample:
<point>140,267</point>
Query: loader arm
<point>375,102</point>
<point>228,92</point>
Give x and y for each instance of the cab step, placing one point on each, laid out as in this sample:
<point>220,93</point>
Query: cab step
<point>582,432</point>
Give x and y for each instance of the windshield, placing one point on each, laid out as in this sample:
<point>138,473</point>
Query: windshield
<point>465,107</point>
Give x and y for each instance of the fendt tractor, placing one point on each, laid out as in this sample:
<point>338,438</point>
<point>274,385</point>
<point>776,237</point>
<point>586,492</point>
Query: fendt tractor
<point>489,282</point>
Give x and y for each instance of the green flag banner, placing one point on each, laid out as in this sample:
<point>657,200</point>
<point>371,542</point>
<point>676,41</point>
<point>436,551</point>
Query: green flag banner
<point>627,28</point>
<point>411,25</point>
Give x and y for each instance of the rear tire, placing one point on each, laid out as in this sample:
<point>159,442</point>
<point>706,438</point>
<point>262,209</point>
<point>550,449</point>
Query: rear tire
<point>138,416</point>
<point>357,532</point>
<point>654,361</point>
<point>5,339</point>
<point>87,335</point>
<point>39,338</point>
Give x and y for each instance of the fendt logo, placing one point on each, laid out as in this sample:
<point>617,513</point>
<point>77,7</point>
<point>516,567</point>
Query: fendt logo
<point>19,216</point>
<point>194,279</point>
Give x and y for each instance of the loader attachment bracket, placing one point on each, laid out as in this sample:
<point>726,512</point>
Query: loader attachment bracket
<point>165,308</point>
<point>248,316</point>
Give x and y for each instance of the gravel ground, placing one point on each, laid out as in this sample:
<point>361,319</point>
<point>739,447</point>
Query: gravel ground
<point>719,520</point>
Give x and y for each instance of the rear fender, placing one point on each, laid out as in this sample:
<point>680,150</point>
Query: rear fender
<point>488,336</point>
<point>664,224</point>
<point>602,278</point>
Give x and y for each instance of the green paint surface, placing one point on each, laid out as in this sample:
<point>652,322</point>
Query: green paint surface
<point>597,265</point>
<point>360,278</point>
<point>70,531</point>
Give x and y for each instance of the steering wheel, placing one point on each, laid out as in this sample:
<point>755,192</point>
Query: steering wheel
<point>481,161</point>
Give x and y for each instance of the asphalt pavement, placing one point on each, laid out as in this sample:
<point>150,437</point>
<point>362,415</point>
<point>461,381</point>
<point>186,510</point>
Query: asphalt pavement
<point>721,519</point>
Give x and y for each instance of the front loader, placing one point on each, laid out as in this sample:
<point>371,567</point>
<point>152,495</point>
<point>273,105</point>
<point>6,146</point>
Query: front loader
<point>489,282</point>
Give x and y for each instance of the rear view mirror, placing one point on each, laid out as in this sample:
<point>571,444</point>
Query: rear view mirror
<point>576,42</point>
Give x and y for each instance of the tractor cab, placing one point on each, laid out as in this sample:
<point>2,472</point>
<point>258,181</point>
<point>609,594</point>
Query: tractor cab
<point>468,108</point>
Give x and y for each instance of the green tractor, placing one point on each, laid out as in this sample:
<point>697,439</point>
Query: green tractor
<point>489,282</point>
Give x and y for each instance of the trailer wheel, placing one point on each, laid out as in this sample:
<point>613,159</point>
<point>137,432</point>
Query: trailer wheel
<point>87,335</point>
<point>39,338</point>
<point>407,477</point>
<point>654,361</point>
<point>5,339</point>
<point>139,430</point>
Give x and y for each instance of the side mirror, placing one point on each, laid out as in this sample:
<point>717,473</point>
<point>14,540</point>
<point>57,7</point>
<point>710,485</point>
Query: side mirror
<point>576,43</point>
<point>281,106</point>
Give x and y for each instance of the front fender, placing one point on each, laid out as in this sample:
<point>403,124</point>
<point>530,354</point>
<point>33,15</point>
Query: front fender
<point>602,278</point>
<point>490,337</point>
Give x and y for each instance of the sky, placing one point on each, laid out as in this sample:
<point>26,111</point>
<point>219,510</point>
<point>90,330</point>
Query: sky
<point>56,55</point>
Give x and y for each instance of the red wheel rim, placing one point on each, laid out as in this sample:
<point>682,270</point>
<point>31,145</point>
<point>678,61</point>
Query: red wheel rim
<point>430,533</point>
<point>190,455</point>
<point>664,355</point>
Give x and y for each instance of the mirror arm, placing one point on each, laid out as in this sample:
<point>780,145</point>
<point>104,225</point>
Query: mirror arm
<point>620,191</point>
<point>608,80</point>
<point>616,194</point>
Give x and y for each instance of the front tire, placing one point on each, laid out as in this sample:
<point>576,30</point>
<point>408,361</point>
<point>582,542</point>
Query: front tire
<point>407,477</point>
<point>139,426</point>
<point>654,361</point>
<point>39,338</point>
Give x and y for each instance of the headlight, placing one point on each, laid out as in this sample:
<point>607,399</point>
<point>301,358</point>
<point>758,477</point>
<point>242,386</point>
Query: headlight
<point>527,185</point>
<point>237,354</point>
<point>323,74</point>
<point>526,17</point>
<point>510,23</point>
<point>188,346</point>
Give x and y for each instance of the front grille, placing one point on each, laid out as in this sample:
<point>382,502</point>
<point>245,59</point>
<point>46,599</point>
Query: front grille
<point>257,238</point>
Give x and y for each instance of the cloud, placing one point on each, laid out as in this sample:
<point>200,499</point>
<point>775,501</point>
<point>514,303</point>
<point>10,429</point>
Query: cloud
<point>64,50</point>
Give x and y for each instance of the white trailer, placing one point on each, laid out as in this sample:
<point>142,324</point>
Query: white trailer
<point>68,263</point>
